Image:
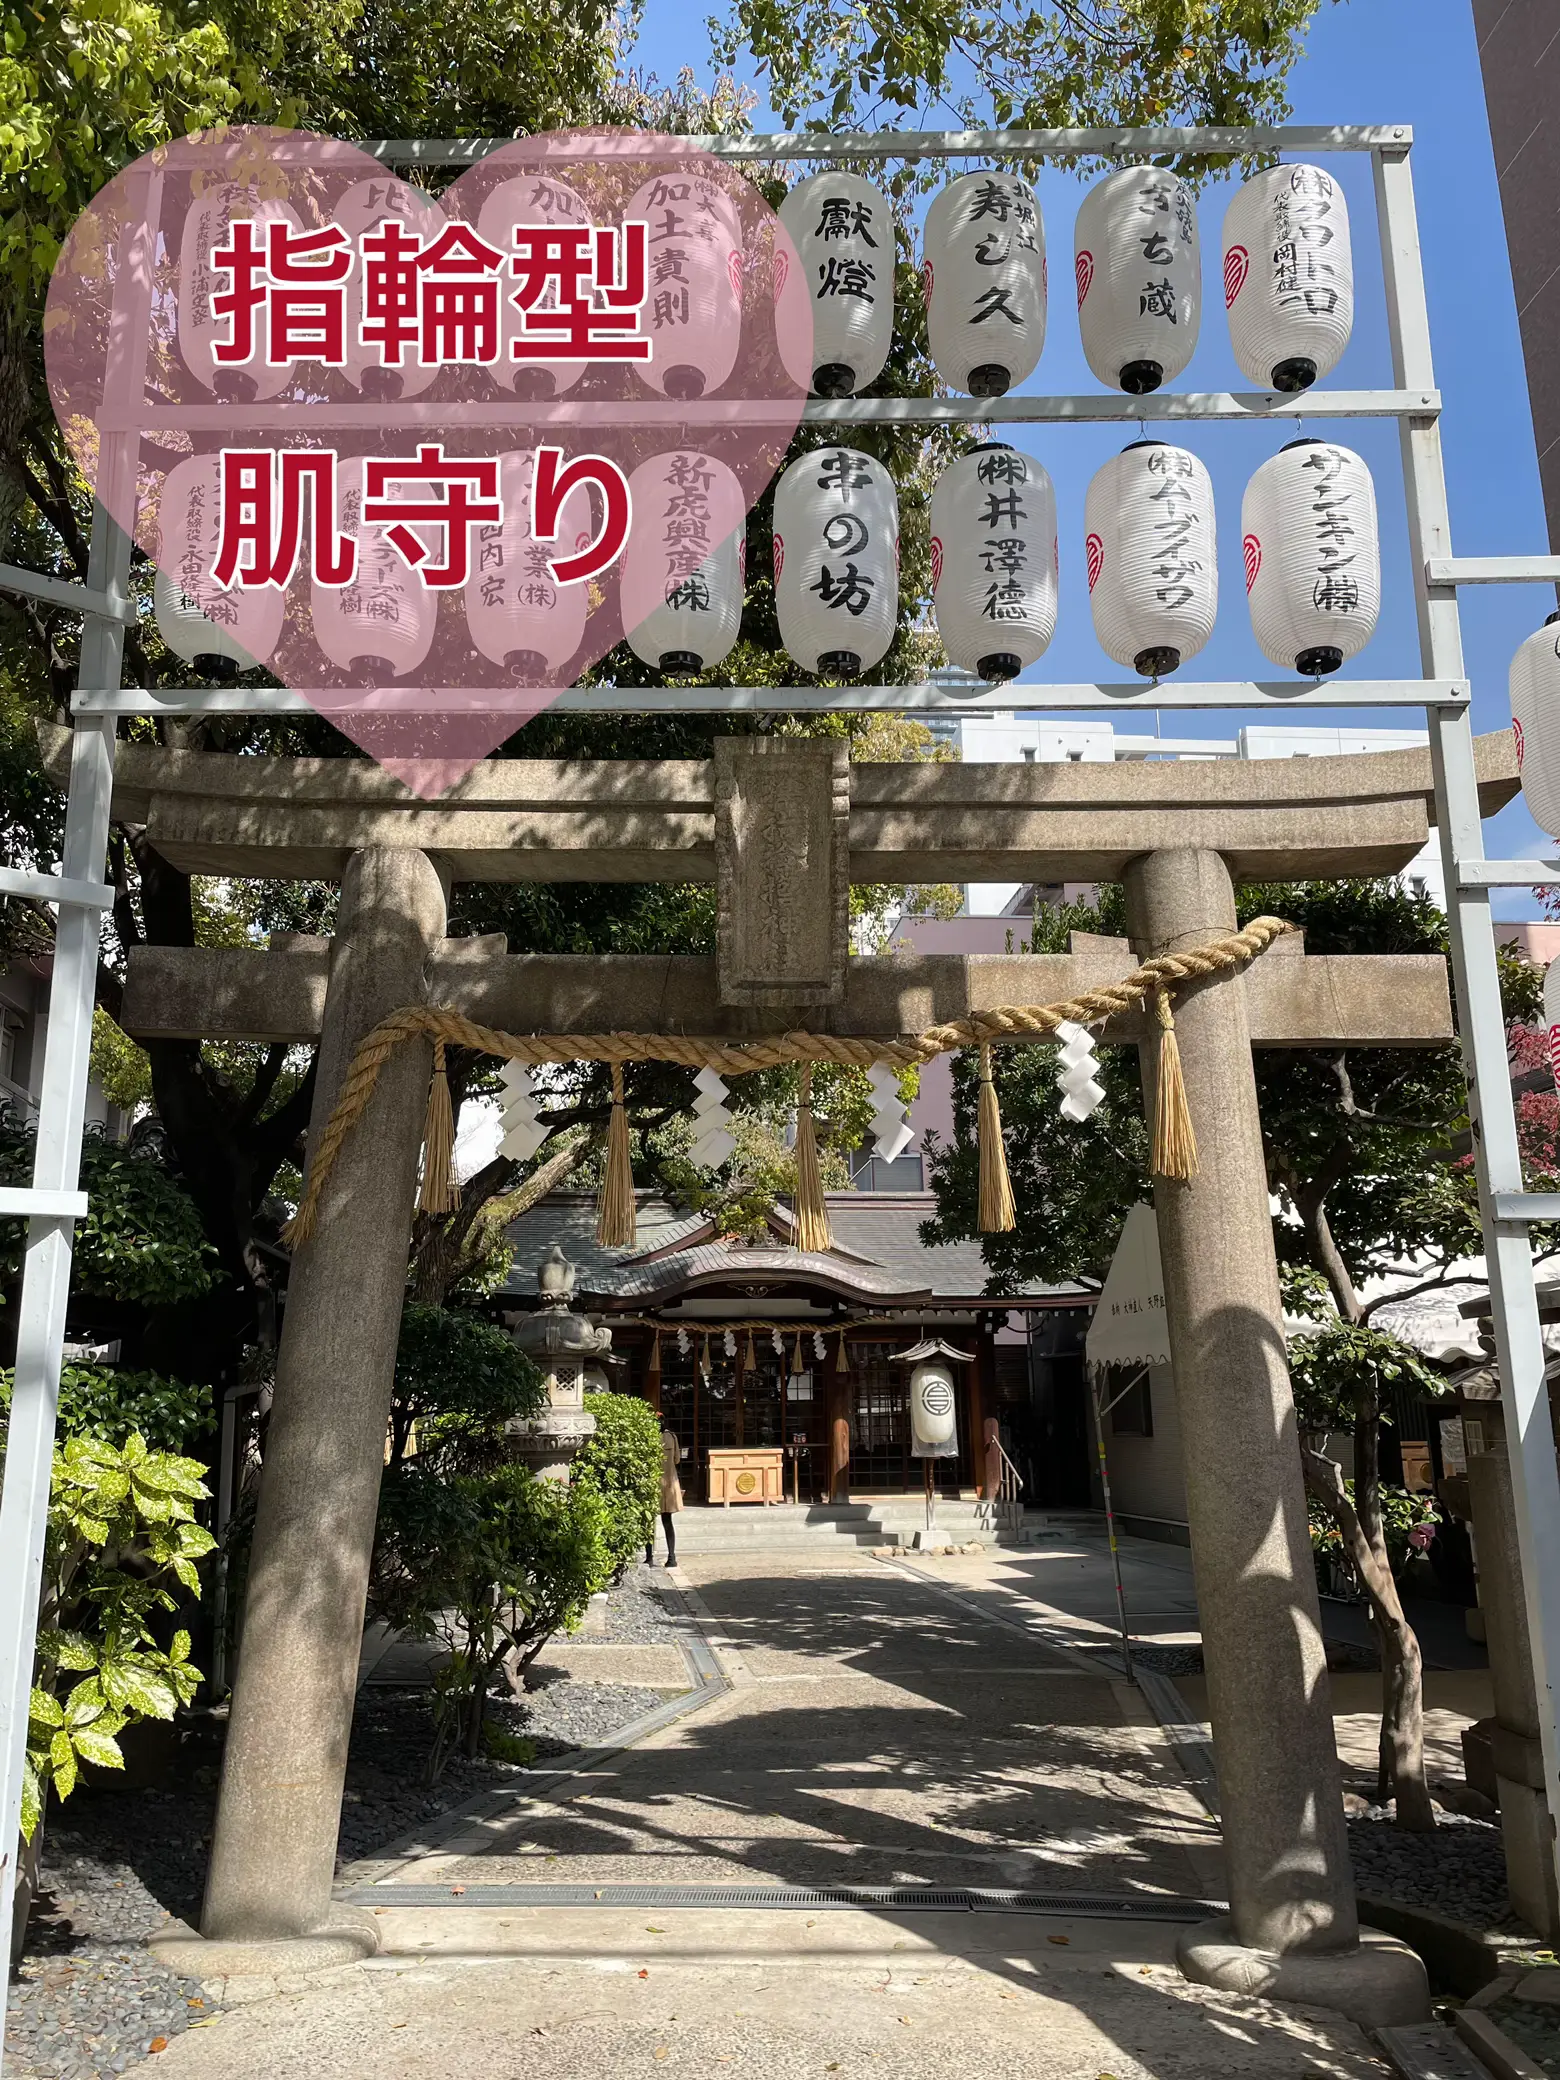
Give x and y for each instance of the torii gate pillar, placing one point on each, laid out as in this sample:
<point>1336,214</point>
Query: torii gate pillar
<point>273,1856</point>
<point>1292,1931</point>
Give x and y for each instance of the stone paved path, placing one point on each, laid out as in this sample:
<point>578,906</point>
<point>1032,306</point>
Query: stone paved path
<point>877,1731</point>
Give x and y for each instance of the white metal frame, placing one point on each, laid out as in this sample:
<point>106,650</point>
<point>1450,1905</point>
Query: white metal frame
<point>53,1202</point>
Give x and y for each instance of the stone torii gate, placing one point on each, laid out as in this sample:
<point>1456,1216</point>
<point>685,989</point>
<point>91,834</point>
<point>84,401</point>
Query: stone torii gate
<point>783,826</point>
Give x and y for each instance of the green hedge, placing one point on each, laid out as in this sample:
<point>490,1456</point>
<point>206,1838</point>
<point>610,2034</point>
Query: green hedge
<point>622,1464</point>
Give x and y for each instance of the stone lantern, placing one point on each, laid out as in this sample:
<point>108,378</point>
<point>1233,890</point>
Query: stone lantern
<point>562,1345</point>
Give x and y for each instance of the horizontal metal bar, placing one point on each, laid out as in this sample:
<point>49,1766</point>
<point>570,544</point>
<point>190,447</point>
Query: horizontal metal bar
<point>1493,570</point>
<point>55,888</point>
<point>956,144</point>
<point>709,415</point>
<point>60,592</point>
<point>780,700</point>
<point>23,1200</point>
<point>1507,873</point>
<point>1527,1206</point>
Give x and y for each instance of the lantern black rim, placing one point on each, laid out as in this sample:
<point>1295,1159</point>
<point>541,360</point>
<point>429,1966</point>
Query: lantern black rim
<point>528,666</point>
<point>991,379</point>
<point>1297,373</point>
<point>232,386</point>
<point>1000,665</point>
<point>1139,377</point>
<point>684,382</point>
<point>1306,440</point>
<point>843,664</point>
<point>1551,619</point>
<point>535,385</point>
<point>834,379</point>
<point>1153,441</point>
<point>1319,660</point>
<point>382,385</point>
<point>211,666</point>
<point>373,671</point>
<point>681,661</point>
<point>1158,662</point>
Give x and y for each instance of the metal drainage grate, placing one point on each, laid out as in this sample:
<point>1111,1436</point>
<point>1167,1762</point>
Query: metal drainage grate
<point>815,1899</point>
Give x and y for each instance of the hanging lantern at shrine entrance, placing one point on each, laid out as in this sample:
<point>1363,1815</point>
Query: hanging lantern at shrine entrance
<point>1139,271</point>
<point>220,633</point>
<point>518,615</point>
<point>1288,276</point>
<point>1312,556</point>
<point>693,314</point>
<point>532,199</point>
<point>381,625</point>
<point>1152,557</point>
<point>208,227</point>
<point>994,560</point>
<point>836,546</point>
<point>1552,1017</point>
<point>361,212</point>
<point>985,282</point>
<point>683,567</point>
<point>1535,722</point>
<point>841,229</point>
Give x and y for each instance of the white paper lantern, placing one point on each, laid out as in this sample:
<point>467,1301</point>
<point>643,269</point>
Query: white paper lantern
<point>208,225</point>
<point>381,625</point>
<point>1153,565</point>
<point>985,281</point>
<point>933,1410</point>
<point>836,537</point>
<point>360,212</point>
<point>1535,721</point>
<point>535,199</point>
<point>1139,271</point>
<point>219,633</point>
<point>1288,276</point>
<point>518,614</point>
<point>693,308</point>
<point>682,570</point>
<point>1313,561</point>
<point>994,560</point>
<point>1552,1017</point>
<point>842,230</point>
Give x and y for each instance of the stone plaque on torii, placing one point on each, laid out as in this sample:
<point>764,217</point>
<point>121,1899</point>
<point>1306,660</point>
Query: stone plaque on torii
<point>790,815</point>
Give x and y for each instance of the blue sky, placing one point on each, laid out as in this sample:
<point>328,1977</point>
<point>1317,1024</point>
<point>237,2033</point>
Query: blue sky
<point>1369,61</point>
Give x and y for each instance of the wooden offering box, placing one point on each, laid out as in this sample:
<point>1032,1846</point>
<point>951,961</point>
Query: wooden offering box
<point>755,1475</point>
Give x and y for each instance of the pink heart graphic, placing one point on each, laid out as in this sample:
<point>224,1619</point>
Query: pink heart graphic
<point>423,663</point>
<point>1251,549</point>
<point>1094,556</point>
<point>1083,269</point>
<point>937,561</point>
<point>1237,263</point>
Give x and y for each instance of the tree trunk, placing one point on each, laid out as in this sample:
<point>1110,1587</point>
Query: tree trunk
<point>452,1244</point>
<point>1402,1724</point>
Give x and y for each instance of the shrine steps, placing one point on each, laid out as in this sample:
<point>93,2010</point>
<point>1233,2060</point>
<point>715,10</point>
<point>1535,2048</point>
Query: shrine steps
<point>884,1520</point>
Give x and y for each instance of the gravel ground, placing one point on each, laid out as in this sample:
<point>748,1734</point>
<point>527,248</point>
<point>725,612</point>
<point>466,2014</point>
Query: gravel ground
<point>1460,1870</point>
<point>1534,2029</point>
<point>119,1862</point>
<point>644,1610</point>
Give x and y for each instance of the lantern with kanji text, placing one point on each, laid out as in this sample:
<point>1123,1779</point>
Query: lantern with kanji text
<point>682,570</point>
<point>1535,722</point>
<point>693,299</point>
<point>1139,273</point>
<point>220,632</point>
<point>1288,276</point>
<point>994,560</point>
<point>380,625</point>
<point>518,614</point>
<point>1313,561</point>
<point>841,230</point>
<point>836,549</point>
<point>1152,561</point>
<point>985,283</point>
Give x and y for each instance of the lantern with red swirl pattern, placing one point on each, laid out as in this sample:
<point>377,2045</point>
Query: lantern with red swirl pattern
<point>1313,560</point>
<point>220,633</point>
<point>836,539</point>
<point>1153,565</point>
<point>1535,721</point>
<point>994,561</point>
<point>1139,271</point>
<point>984,277</point>
<point>1552,1017</point>
<point>1288,276</point>
<point>842,231</point>
<point>682,570</point>
<point>693,312</point>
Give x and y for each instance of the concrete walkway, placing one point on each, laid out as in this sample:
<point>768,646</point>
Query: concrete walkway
<point>885,1723</point>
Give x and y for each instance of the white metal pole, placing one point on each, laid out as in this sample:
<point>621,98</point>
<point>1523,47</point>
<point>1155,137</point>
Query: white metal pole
<point>1519,1348</point>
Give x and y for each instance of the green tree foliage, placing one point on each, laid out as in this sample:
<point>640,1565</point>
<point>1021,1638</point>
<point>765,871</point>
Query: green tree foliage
<point>458,1379</point>
<point>141,1240</point>
<point>491,1566</point>
<point>622,1464</point>
<point>1057,63</point>
<point>109,1405</point>
<point>121,1524</point>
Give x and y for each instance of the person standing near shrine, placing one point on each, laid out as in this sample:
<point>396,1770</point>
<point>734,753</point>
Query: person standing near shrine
<point>671,1497</point>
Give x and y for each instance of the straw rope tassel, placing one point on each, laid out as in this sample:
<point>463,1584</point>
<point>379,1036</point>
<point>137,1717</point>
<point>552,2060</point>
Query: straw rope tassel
<point>812,1216</point>
<point>440,1192</point>
<point>997,1212</point>
<point>1175,1141</point>
<point>655,1357</point>
<point>615,1205</point>
<point>842,1360</point>
<point>796,1354</point>
<point>749,1361</point>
